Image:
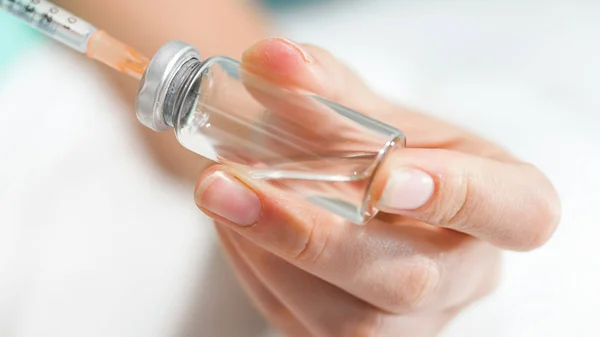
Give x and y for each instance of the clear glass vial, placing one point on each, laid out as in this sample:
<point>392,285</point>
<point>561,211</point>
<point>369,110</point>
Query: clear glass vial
<point>294,140</point>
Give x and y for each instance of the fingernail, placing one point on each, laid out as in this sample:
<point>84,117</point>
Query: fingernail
<point>297,48</point>
<point>227,197</point>
<point>276,54</point>
<point>407,189</point>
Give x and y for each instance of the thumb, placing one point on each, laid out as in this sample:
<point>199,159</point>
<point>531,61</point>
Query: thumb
<point>511,205</point>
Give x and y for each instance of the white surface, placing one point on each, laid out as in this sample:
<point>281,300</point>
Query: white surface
<point>94,241</point>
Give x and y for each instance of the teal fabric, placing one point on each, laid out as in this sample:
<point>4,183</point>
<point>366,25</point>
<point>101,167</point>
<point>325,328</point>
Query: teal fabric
<point>15,38</point>
<point>289,4</point>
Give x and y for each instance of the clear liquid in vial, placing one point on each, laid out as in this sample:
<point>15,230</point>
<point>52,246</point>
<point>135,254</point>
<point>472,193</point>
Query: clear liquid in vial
<point>336,182</point>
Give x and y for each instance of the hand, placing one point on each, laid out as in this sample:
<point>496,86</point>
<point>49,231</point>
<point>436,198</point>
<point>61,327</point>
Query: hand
<point>451,200</point>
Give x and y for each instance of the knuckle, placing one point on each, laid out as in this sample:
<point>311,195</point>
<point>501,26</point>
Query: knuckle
<point>416,285</point>
<point>454,207</point>
<point>314,242</point>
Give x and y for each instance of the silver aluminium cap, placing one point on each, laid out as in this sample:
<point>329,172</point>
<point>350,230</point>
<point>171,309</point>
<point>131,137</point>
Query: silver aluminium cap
<point>154,86</point>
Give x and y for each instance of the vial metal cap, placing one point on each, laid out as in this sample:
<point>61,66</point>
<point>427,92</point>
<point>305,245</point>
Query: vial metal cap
<point>154,85</point>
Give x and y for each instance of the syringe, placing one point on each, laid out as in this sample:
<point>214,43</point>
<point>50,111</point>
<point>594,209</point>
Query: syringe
<point>78,34</point>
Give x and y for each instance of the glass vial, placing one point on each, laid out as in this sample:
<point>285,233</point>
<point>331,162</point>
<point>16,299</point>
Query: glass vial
<point>294,140</point>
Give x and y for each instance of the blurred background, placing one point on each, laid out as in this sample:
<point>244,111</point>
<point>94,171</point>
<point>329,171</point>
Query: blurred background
<point>89,248</point>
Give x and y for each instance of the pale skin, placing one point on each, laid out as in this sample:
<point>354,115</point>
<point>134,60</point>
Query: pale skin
<point>434,250</point>
<point>451,202</point>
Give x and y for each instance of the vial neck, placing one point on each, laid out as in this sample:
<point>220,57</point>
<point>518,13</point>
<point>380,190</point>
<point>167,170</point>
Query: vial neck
<point>178,90</point>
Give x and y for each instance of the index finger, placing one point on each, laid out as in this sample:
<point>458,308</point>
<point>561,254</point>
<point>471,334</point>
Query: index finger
<point>298,86</point>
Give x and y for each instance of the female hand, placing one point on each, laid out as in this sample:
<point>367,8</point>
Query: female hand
<point>452,201</point>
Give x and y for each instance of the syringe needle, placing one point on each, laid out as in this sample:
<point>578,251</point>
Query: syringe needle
<point>77,34</point>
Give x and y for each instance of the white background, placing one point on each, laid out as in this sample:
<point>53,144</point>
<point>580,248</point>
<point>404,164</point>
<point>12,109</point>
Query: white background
<point>95,241</point>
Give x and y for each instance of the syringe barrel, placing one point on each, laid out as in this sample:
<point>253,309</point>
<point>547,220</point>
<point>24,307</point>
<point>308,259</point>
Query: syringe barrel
<point>53,21</point>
